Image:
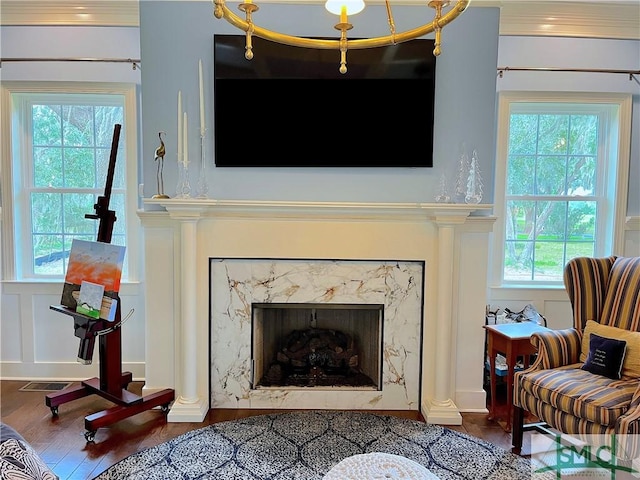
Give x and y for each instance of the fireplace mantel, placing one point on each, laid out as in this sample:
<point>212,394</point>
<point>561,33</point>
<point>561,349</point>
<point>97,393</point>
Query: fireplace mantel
<point>193,207</point>
<point>182,235</point>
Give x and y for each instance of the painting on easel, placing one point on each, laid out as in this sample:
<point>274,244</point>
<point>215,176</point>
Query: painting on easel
<point>96,262</point>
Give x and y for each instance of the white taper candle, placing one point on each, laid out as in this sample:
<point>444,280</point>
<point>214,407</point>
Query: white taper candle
<point>203,127</point>
<point>185,141</point>
<point>179,125</point>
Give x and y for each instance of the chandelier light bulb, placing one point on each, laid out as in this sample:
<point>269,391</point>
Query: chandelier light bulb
<point>352,6</point>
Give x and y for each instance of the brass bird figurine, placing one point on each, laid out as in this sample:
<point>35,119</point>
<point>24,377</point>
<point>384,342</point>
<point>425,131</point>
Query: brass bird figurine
<point>159,157</point>
<point>160,151</point>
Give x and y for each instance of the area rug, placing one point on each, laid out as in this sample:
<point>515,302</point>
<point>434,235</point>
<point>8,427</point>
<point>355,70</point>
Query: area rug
<point>305,445</point>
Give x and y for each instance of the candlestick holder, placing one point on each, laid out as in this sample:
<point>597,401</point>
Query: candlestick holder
<point>203,188</point>
<point>179,181</point>
<point>183,189</point>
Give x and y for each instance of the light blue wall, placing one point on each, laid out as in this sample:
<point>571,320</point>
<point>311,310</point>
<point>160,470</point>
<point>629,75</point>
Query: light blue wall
<point>175,35</point>
<point>579,53</point>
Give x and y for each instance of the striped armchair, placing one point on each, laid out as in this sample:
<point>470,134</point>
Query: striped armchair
<point>605,298</point>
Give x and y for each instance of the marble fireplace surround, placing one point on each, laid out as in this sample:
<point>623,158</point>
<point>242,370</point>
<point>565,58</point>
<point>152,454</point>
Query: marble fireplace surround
<point>182,236</point>
<point>238,283</point>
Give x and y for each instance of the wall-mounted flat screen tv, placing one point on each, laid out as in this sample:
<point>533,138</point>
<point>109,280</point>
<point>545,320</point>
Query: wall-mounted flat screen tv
<point>291,107</point>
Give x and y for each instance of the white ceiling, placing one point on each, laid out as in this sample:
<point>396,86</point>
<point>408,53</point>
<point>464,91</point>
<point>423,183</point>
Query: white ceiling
<point>582,18</point>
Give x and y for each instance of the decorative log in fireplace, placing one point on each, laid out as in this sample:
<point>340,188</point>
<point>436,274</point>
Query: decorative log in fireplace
<point>316,357</point>
<point>300,345</point>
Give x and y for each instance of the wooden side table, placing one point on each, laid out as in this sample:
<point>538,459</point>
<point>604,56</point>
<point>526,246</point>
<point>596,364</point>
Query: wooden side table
<point>513,341</point>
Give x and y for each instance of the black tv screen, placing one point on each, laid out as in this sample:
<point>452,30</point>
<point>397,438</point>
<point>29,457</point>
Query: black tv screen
<point>291,107</point>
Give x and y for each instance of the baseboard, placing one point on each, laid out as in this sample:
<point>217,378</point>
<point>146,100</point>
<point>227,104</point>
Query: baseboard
<point>471,401</point>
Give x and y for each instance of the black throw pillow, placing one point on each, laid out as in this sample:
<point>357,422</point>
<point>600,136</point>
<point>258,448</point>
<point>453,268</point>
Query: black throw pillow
<point>605,356</point>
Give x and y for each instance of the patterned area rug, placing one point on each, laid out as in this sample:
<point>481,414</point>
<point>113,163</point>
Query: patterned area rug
<point>306,445</point>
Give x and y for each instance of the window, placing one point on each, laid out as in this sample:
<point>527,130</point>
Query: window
<point>561,181</point>
<point>60,150</point>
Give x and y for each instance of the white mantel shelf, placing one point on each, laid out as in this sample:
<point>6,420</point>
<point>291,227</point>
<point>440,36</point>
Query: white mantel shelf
<point>194,207</point>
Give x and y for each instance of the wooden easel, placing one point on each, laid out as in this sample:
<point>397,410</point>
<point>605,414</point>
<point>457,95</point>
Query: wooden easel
<point>113,382</point>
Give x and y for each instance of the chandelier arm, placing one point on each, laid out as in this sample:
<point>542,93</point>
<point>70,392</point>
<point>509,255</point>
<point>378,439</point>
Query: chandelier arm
<point>390,21</point>
<point>222,11</point>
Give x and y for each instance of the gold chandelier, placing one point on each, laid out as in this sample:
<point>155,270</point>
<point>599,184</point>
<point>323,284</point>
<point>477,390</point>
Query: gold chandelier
<point>342,8</point>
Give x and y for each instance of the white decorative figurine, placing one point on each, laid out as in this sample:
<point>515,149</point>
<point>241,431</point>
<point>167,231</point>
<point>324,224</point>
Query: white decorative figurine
<point>474,181</point>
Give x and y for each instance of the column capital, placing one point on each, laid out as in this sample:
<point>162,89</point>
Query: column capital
<point>182,209</point>
<point>449,220</point>
<point>451,214</point>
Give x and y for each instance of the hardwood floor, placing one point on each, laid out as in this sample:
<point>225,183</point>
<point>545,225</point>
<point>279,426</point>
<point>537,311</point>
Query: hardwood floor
<point>61,443</point>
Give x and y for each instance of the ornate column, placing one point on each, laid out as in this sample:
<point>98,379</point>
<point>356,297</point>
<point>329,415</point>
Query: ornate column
<point>188,407</point>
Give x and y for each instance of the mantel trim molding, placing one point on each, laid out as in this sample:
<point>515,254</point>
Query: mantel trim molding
<point>352,211</point>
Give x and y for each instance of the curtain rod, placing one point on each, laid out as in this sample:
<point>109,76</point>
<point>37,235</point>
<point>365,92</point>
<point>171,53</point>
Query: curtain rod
<point>135,63</point>
<point>631,73</point>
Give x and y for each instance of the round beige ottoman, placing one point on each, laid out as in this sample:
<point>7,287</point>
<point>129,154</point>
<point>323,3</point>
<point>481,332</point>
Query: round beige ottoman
<point>378,466</point>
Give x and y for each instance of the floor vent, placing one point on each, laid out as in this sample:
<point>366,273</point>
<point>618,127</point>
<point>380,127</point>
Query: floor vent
<point>45,386</point>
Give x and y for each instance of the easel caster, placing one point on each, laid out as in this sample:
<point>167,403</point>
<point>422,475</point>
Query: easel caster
<point>90,435</point>
<point>165,408</point>
<point>54,411</point>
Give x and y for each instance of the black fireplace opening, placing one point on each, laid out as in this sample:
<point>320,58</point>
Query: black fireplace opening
<point>303,345</point>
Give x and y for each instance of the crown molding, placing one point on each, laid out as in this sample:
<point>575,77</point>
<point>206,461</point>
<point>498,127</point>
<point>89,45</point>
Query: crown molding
<point>617,19</point>
<point>122,13</point>
<point>614,19</point>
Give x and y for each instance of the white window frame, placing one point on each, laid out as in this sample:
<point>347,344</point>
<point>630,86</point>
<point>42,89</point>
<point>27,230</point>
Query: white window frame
<point>614,175</point>
<point>14,207</point>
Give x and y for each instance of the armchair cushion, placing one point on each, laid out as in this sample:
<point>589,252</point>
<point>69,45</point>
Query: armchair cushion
<point>605,356</point>
<point>570,389</point>
<point>631,364</point>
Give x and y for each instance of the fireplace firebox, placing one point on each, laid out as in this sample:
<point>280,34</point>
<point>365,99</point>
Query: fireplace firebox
<point>317,345</point>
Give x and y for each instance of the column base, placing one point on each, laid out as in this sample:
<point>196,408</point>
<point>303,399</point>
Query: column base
<point>188,412</point>
<point>441,412</point>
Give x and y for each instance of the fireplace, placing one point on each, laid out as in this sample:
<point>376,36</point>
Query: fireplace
<point>208,261</point>
<point>317,345</point>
